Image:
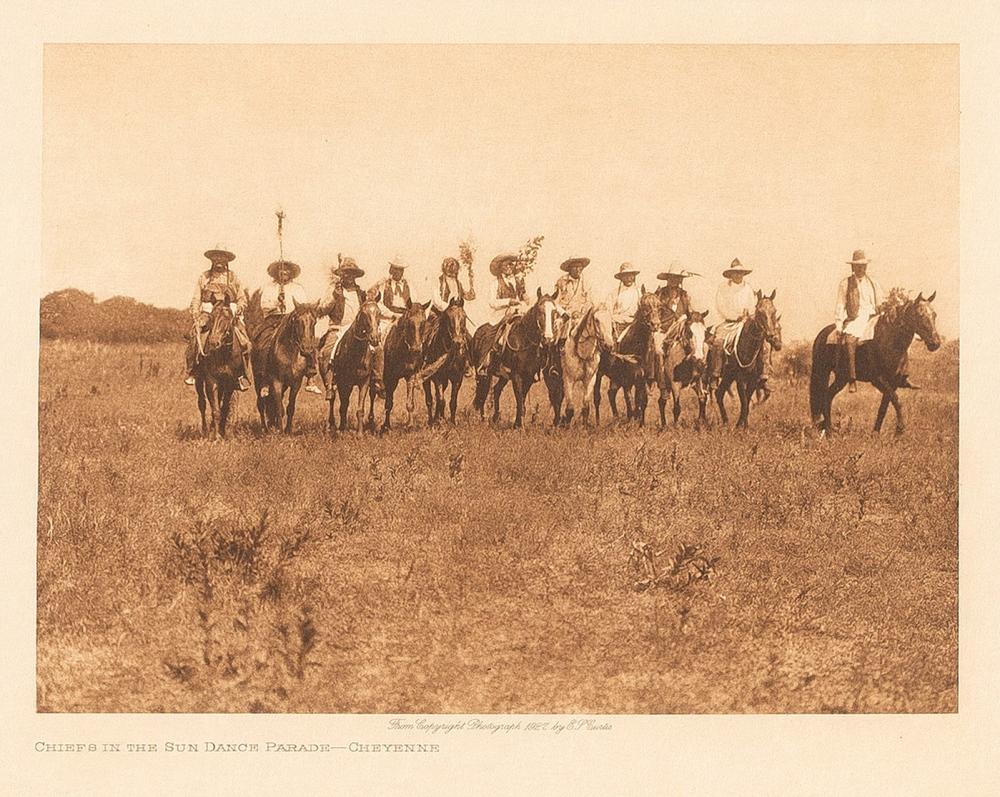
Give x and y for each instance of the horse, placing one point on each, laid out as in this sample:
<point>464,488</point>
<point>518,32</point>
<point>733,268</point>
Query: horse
<point>626,366</point>
<point>529,342</point>
<point>680,363</point>
<point>446,356</point>
<point>879,361</point>
<point>353,365</point>
<point>218,369</point>
<point>404,354</point>
<point>284,351</point>
<point>746,364</point>
<point>578,364</point>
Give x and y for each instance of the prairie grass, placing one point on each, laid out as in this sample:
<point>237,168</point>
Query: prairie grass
<point>474,569</point>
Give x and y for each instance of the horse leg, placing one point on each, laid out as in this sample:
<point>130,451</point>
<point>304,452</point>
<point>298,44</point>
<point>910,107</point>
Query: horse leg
<point>882,407</point>
<point>839,383</point>
<point>456,385</point>
<point>743,388</point>
<point>200,387</point>
<point>390,391</point>
<point>411,390</point>
<point>517,383</point>
<point>613,397</point>
<point>720,398</point>
<point>224,406</point>
<point>629,406</point>
<point>278,403</point>
<point>569,410</point>
<point>293,392</point>
<point>675,391</point>
<point>898,407</point>
<point>213,403</point>
<point>344,392</point>
<point>497,390</point>
<point>595,397</point>
<point>439,389</point>
<point>641,402</point>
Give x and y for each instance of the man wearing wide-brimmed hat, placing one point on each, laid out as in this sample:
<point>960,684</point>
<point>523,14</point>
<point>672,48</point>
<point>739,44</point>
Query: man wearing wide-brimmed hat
<point>735,302</point>
<point>858,300</point>
<point>675,304</point>
<point>216,285</point>
<point>504,303</point>
<point>573,297</point>
<point>342,303</point>
<point>623,301</point>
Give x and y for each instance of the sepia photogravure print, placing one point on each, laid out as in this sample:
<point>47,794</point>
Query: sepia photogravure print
<point>499,379</point>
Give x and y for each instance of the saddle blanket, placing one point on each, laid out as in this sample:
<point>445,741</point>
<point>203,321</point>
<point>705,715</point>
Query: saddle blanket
<point>729,333</point>
<point>836,339</point>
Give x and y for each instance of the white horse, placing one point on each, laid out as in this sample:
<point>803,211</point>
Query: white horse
<point>581,357</point>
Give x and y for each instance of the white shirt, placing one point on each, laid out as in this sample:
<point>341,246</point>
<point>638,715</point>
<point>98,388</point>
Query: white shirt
<point>870,297</point>
<point>351,308</point>
<point>294,293</point>
<point>454,289</point>
<point>623,302</point>
<point>734,300</point>
<point>497,306</point>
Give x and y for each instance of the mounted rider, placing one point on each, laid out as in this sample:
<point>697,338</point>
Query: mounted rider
<point>623,301</point>
<point>449,287</point>
<point>573,296</point>
<point>505,302</point>
<point>675,304</point>
<point>342,302</point>
<point>735,302</point>
<point>218,284</point>
<point>278,298</point>
<point>394,300</point>
<point>858,301</point>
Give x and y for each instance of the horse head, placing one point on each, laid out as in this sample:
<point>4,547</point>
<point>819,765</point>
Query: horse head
<point>220,324</point>
<point>454,321</point>
<point>767,317</point>
<point>545,308</point>
<point>923,320</point>
<point>366,324</point>
<point>303,323</point>
<point>649,310</point>
<point>698,331</point>
<point>411,325</point>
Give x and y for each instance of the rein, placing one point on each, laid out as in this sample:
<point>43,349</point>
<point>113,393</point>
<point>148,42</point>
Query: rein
<point>537,343</point>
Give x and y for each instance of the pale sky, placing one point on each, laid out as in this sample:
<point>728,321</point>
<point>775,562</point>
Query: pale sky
<point>786,157</point>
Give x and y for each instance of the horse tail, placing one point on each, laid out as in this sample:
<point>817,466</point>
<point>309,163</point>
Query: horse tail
<point>819,376</point>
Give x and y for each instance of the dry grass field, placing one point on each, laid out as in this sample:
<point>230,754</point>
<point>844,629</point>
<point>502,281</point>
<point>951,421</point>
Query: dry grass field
<point>474,569</point>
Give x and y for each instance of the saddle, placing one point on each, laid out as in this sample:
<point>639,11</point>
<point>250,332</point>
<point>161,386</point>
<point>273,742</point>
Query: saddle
<point>728,334</point>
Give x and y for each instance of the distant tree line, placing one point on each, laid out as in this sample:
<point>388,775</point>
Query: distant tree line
<point>75,315</point>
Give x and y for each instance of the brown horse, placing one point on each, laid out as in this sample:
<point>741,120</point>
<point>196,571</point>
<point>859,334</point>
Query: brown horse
<point>404,351</point>
<point>218,369</point>
<point>879,361</point>
<point>680,363</point>
<point>446,356</point>
<point>529,342</point>
<point>746,364</point>
<point>353,366</point>
<point>626,366</point>
<point>284,352</point>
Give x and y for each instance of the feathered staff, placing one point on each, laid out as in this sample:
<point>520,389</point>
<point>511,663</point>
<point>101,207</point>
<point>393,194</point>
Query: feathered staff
<point>527,254</point>
<point>466,253</point>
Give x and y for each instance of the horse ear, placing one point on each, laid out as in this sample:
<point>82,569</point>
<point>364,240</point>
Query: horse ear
<point>758,294</point>
<point>409,303</point>
<point>771,297</point>
<point>643,286</point>
<point>539,292</point>
<point>931,297</point>
<point>920,296</point>
<point>704,315</point>
<point>295,303</point>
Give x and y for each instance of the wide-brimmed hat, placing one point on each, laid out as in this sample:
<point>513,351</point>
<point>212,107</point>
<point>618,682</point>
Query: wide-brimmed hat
<point>348,268</point>
<point>499,261</point>
<point>859,259</point>
<point>624,269</point>
<point>293,269</point>
<point>582,262</point>
<point>398,262</point>
<point>672,277</point>
<point>735,268</point>
<point>220,256</point>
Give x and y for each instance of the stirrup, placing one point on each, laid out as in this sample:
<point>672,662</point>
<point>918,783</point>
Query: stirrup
<point>242,384</point>
<point>190,381</point>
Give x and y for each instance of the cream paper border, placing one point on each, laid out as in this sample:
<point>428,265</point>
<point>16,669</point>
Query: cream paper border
<point>946,754</point>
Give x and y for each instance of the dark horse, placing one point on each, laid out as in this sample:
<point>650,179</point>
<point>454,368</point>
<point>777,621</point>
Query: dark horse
<point>626,366</point>
<point>746,364</point>
<point>284,351</point>
<point>404,350</point>
<point>446,356</point>
<point>680,363</point>
<point>529,343</point>
<point>879,361</point>
<point>217,370</point>
<point>353,365</point>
